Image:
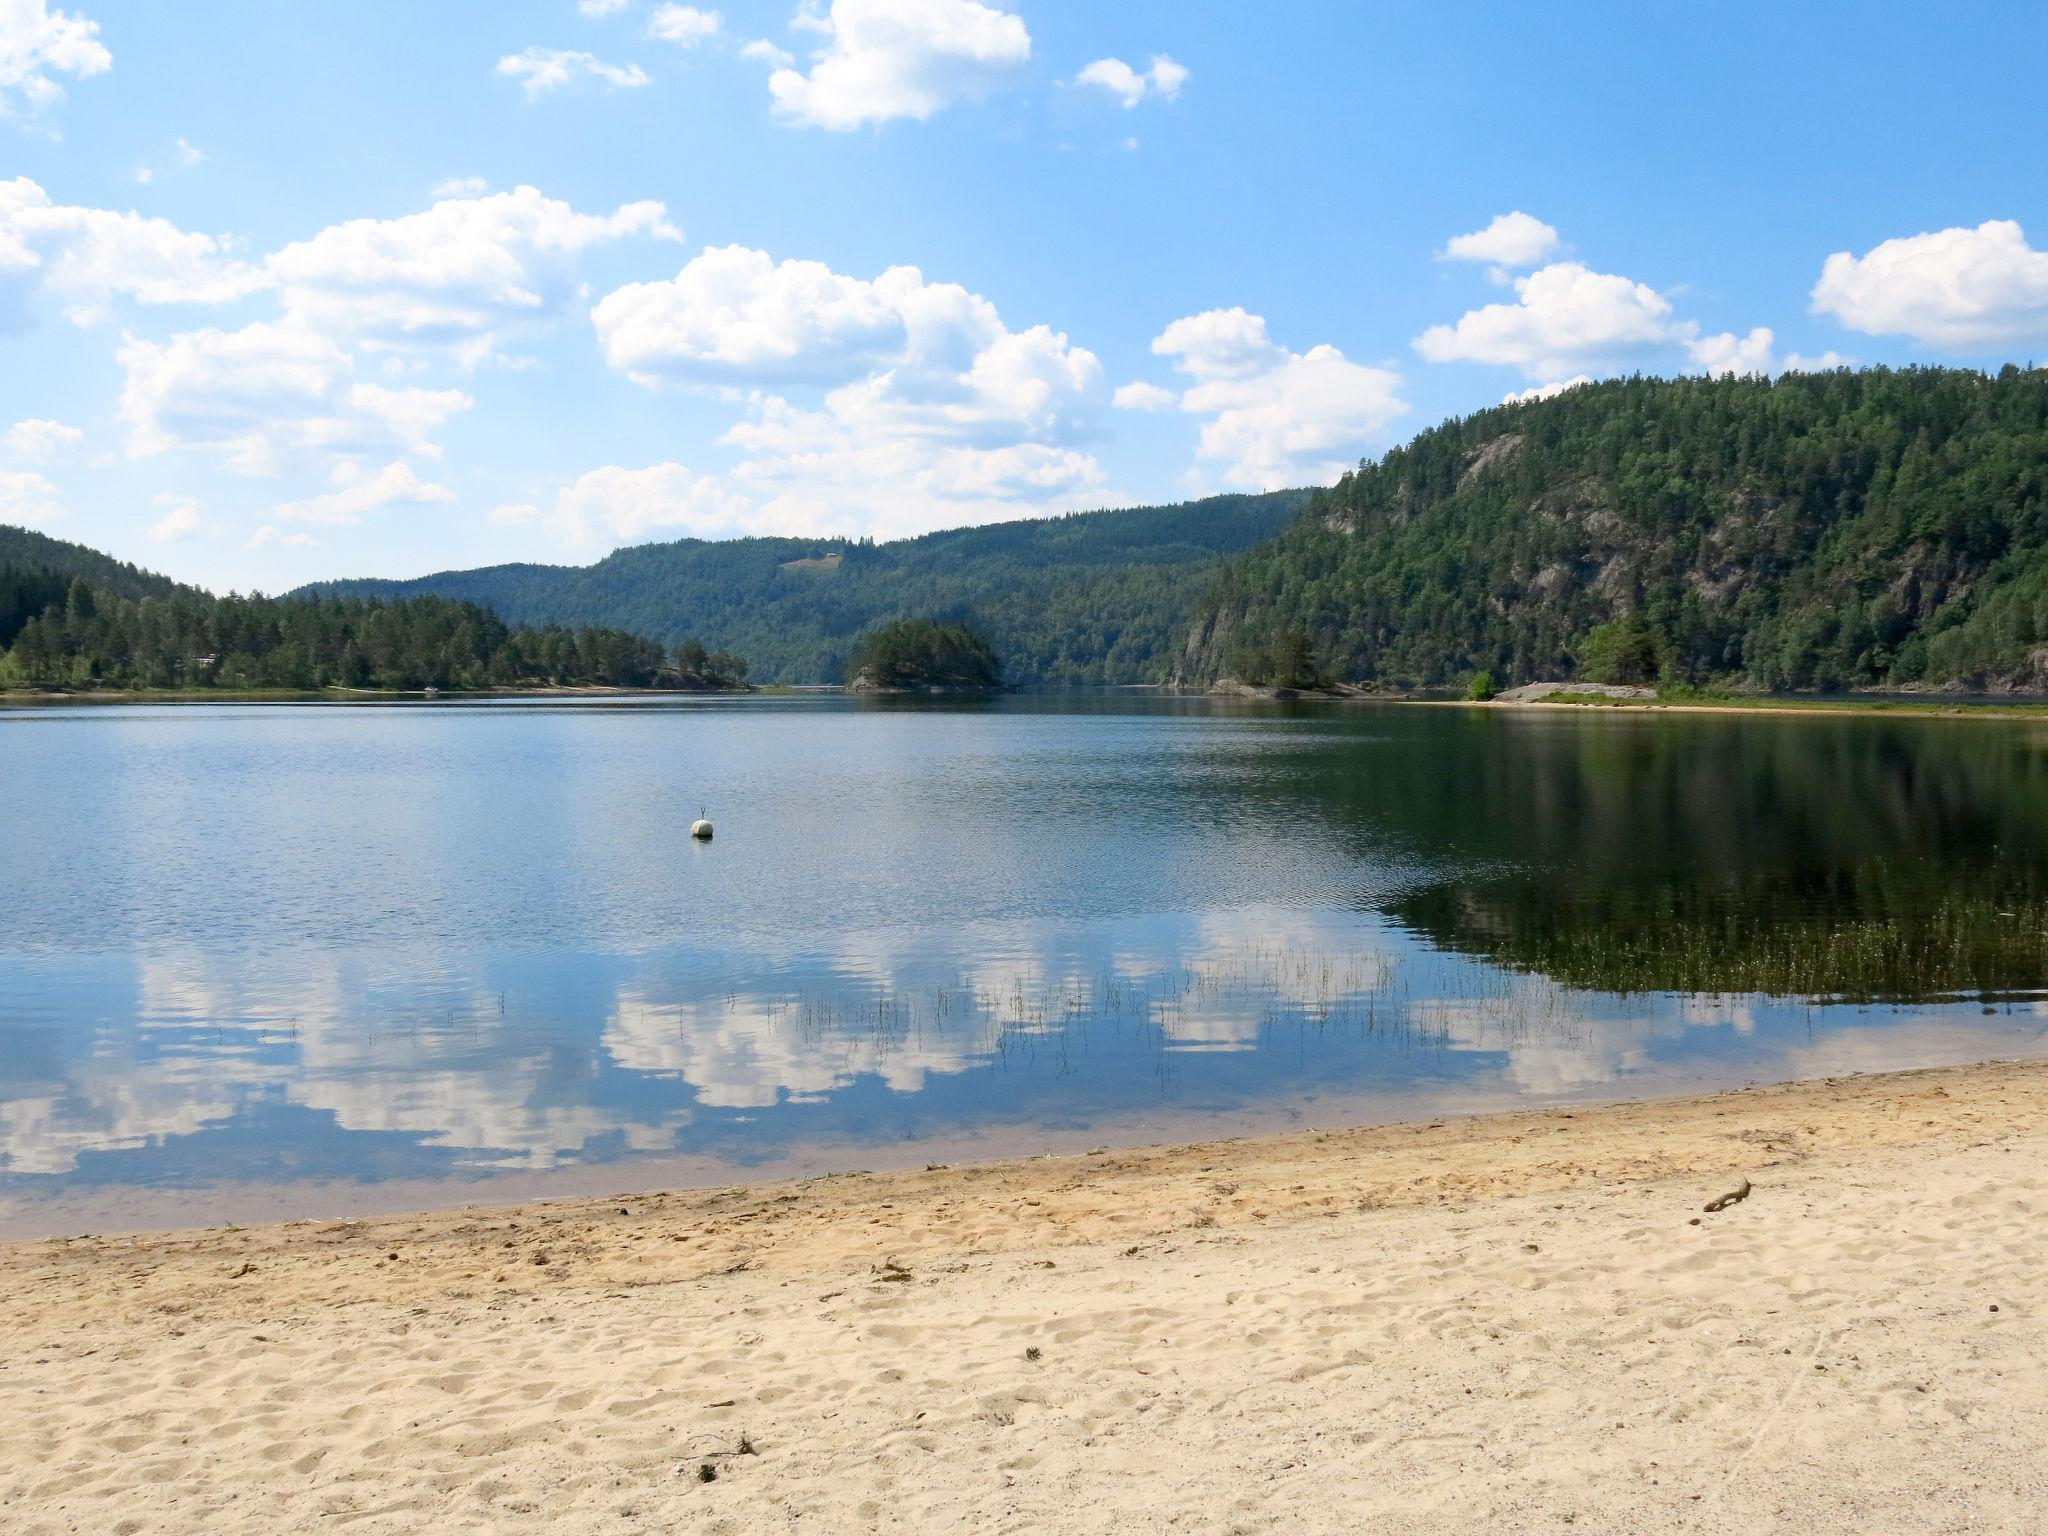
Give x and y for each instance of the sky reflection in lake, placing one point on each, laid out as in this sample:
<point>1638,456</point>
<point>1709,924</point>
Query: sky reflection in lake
<point>254,946</point>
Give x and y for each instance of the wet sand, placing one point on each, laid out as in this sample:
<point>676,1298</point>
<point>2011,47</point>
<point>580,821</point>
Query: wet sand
<point>1515,1322</point>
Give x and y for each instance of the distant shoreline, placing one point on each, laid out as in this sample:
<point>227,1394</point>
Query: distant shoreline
<point>355,695</point>
<point>1928,706</point>
<point>2029,710</point>
<point>1898,707</point>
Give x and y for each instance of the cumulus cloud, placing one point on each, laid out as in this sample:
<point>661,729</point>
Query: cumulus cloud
<point>541,70</point>
<point>920,407</point>
<point>1956,289</point>
<point>357,493</point>
<point>267,396</point>
<point>27,498</point>
<point>1140,396</point>
<point>1543,391</point>
<point>1163,79</point>
<point>87,257</point>
<point>1729,353</point>
<point>37,439</point>
<point>453,278</point>
<point>1754,355</point>
<point>1276,417</point>
<point>761,51</point>
<point>597,8</point>
<point>684,25</point>
<point>616,505</point>
<point>737,315</point>
<point>1512,240</point>
<point>1566,319</point>
<point>183,516</point>
<point>1802,362</point>
<point>891,402</point>
<point>37,44</point>
<point>885,59</point>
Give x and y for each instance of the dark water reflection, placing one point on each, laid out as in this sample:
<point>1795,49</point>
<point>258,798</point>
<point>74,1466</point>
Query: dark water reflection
<point>265,945</point>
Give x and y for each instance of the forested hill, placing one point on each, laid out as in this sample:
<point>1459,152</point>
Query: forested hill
<point>1092,597</point>
<point>22,550</point>
<point>75,619</point>
<point>1834,530</point>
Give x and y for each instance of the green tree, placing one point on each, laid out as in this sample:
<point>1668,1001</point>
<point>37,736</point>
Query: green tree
<point>1623,650</point>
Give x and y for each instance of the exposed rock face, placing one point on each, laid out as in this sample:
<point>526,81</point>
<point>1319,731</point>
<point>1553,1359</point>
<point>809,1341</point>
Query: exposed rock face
<point>1529,693</point>
<point>865,681</point>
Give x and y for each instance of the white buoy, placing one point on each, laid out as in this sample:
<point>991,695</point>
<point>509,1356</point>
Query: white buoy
<point>701,830</point>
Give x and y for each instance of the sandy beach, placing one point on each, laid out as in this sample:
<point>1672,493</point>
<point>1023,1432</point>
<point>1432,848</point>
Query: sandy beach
<point>1516,1323</point>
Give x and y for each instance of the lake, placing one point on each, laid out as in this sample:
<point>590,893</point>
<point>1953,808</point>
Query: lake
<point>263,960</point>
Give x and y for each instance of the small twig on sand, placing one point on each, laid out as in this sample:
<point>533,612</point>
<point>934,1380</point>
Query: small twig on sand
<point>1733,1196</point>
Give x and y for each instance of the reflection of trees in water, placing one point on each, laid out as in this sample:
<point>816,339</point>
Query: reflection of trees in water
<point>1698,795</point>
<point>1853,858</point>
<point>1875,936</point>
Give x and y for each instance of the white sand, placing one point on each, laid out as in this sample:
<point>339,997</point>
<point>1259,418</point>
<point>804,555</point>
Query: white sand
<point>1496,1325</point>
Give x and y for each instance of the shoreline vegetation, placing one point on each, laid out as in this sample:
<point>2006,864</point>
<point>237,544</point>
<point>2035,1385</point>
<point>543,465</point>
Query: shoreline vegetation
<point>1675,701</point>
<point>1778,1305</point>
<point>75,621</point>
<point>927,656</point>
<point>1695,701</point>
<point>336,694</point>
<point>1911,706</point>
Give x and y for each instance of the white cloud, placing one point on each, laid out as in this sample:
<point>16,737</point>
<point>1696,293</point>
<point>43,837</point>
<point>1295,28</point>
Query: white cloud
<point>453,278</point>
<point>1800,362</point>
<point>761,51</point>
<point>1512,240</point>
<point>1956,288</point>
<point>1543,391</point>
<point>357,493</point>
<point>270,534</point>
<point>1163,79</point>
<point>87,257</point>
<point>1729,353</point>
<point>615,505</point>
<point>932,412</point>
<point>459,186</point>
<point>1276,417</point>
<point>1140,396</point>
<point>514,514</point>
<point>182,517</point>
<point>1566,319</point>
<point>143,175</point>
<point>886,59</point>
<point>684,25</point>
<point>1754,356</point>
<point>540,70</point>
<point>39,439</point>
<point>189,154</point>
<point>1219,344</point>
<point>37,43</point>
<point>597,8</point>
<point>28,499</point>
<point>736,315</point>
<point>268,395</point>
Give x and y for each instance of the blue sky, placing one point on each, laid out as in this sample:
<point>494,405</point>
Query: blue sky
<point>292,290</point>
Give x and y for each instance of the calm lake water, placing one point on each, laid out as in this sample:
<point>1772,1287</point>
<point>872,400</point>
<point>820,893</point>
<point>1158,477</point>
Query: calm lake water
<point>252,951</point>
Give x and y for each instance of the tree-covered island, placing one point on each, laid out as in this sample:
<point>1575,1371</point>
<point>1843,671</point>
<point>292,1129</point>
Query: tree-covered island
<point>923,656</point>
